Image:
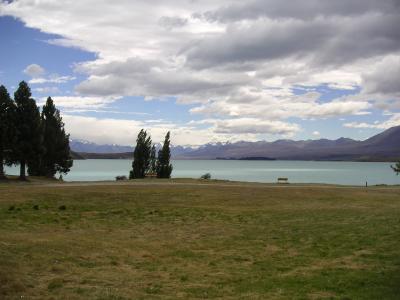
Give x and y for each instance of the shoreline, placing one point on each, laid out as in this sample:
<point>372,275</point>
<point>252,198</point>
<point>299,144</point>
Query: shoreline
<point>182,182</point>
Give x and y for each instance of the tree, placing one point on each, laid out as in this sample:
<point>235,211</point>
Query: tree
<point>141,156</point>
<point>396,168</point>
<point>153,160</point>
<point>29,136</point>
<point>7,129</point>
<point>57,154</point>
<point>164,168</point>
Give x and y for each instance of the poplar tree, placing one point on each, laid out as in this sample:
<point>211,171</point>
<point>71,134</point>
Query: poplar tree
<point>141,156</point>
<point>7,129</point>
<point>164,168</point>
<point>153,160</point>
<point>56,155</point>
<point>28,138</point>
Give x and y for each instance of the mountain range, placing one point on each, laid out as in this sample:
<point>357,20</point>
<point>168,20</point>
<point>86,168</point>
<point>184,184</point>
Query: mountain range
<point>384,146</point>
<point>90,147</point>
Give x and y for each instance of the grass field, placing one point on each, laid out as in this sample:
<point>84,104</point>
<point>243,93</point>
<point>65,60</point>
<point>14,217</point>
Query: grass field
<point>188,241</point>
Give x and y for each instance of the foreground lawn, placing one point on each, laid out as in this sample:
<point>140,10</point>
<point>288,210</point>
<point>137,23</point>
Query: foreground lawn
<point>199,241</point>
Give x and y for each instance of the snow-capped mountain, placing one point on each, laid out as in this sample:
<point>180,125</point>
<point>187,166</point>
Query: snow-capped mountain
<point>90,147</point>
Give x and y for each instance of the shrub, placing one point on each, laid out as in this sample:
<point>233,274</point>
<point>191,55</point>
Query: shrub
<point>206,176</point>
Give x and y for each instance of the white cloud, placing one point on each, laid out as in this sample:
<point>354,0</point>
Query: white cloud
<point>47,90</point>
<point>34,70</point>
<point>81,103</point>
<point>124,132</point>
<point>255,126</point>
<point>281,107</point>
<point>316,133</point>
<point>54,78</point>
<point>394,120</point>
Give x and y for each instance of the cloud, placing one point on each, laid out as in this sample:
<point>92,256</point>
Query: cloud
<point>47,90</point>
<point>81,103</point>
<point>172,22</point>
<point>255,126</point>
<point>384,77</point>
<point>316,133</point>
<point>394,120</point>
<point>34,70</point>
<point>298,9</point>
<point>230,60</point>
<point>321,41</point>
<point>124,132</point>
<point>279,107</point>
<point>54,78</point>
<point>151,78</point>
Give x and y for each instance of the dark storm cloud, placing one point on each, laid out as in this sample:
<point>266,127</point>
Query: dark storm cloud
<point>299,9</point>
<point>322,41</point>
<point>259,41</point>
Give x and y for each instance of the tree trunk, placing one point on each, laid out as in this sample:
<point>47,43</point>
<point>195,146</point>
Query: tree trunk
<point>2,175</point>
<point>22,175</point>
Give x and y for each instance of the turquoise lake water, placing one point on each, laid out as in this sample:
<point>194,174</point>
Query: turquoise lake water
<point>347,173</point>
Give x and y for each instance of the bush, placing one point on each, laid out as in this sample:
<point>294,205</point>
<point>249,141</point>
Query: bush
<point>206,176</point>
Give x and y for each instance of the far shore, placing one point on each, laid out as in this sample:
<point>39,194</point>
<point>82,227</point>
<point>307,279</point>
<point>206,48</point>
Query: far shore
<point>125,156</point>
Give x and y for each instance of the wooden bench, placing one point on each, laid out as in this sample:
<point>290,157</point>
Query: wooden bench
<point>282,180</point>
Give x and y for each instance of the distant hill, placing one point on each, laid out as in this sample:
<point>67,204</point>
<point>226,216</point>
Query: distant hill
<point>125,155</point>
<point>76,155</point>
<point>381,147</point>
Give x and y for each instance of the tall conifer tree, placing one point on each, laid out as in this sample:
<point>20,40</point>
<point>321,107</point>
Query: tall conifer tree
<point>28,125</point>
<point>164,168</point>
<point>7,129</point>
<point>56,155</point>
<point>141,155</point>
<point>153,160</point>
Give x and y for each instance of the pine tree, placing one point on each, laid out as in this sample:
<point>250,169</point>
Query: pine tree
<point>29,138</point>
<point>56,155</point>
<point>141,155</point>
<point>164,168</point>
<point>7,129</point>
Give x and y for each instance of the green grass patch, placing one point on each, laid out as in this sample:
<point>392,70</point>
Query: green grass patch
<point>201,241</point>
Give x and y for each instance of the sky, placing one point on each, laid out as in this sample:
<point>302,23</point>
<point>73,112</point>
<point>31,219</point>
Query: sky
<point>208,71</point>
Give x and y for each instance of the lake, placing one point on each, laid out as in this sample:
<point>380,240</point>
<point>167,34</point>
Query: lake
<point>347,173</point>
